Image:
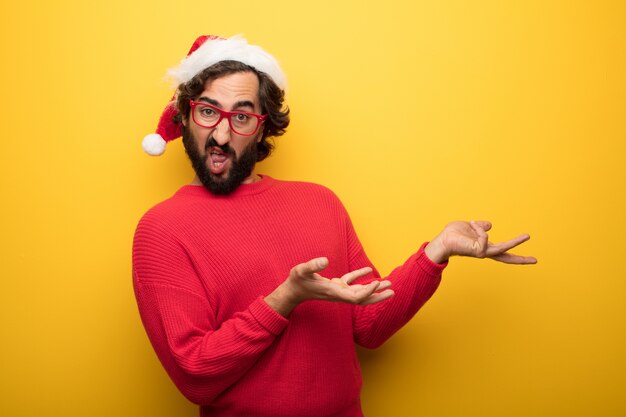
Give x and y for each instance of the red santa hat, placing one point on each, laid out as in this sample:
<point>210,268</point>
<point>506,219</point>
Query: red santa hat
<point>206,51</point>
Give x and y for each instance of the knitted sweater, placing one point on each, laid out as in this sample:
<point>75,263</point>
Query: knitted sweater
<point>203,263</point>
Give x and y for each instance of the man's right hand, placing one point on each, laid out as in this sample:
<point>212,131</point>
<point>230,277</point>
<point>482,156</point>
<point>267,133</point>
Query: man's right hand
<point>305,283</point>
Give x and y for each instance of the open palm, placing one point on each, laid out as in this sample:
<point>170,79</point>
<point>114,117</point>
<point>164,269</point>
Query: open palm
<point>471,239</point>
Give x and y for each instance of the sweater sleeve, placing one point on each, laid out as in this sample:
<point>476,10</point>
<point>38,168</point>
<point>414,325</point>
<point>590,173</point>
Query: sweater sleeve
<point>414,283</point>
<point>202,357</point>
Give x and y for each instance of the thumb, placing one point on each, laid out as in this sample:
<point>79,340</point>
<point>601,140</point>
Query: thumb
<point>484,224</point>
<point>312,266</point>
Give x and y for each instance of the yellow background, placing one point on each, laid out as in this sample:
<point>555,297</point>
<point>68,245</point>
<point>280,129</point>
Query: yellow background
<point>415,113</point>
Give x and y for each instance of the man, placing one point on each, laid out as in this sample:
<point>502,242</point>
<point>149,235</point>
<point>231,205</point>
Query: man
<point>253,291</point>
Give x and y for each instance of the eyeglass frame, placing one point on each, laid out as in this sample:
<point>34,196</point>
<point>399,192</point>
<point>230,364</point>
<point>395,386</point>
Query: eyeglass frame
<point>226,114</point>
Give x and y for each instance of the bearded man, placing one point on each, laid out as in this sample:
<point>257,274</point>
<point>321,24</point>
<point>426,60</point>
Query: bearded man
<point>253,290</point>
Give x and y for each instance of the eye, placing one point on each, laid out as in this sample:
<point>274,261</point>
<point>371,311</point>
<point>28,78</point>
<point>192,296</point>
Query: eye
<point>207,112</point>
<point>240,117</point>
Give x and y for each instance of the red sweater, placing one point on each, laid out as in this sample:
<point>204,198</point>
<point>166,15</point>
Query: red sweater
<point>203,263</point>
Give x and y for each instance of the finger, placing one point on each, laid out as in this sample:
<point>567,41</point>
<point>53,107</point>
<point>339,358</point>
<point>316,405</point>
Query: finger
<point>337,290</point>
<point>506,246</point>
<point>484,224</point>
<point>353,294</point>
<point>378,297</point>
<point>482,241</point>
<point>311,267</point>
<point>384,284</point>
<point>362,292</point>
<point>509,258</point>
<point>351,276</point>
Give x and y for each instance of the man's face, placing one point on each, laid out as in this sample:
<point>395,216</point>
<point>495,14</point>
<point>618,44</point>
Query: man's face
<point>222,159</point>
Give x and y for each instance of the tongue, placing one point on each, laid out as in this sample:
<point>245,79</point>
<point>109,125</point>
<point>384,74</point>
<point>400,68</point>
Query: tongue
<point>218,163</point>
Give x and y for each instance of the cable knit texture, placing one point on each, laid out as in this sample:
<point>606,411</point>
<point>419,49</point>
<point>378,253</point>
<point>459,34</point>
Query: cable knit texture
<point>203,263</point>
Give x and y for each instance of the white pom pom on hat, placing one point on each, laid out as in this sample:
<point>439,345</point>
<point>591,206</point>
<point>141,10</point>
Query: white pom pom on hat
<point>207,51</point>
<point>153,144</point>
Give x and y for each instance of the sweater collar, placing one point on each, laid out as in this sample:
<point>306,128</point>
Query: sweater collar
<point>244,189</point>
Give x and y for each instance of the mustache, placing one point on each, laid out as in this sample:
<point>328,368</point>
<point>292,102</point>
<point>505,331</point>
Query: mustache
<point>212,143</point>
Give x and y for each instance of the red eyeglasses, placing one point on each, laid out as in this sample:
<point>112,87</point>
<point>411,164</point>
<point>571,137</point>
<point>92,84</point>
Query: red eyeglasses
<point>241,122</point>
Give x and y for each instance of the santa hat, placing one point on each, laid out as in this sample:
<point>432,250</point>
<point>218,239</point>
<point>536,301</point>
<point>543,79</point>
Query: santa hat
<point>206,51</point>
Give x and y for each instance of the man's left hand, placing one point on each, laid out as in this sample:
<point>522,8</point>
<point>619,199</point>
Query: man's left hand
<point>471,239</point>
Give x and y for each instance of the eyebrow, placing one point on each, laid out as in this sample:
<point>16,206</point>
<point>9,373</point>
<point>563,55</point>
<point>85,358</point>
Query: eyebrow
<point>210,101</point>
<point>237,105</point>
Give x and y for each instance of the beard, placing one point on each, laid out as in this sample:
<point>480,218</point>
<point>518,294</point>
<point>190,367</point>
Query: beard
<point>240,166</point>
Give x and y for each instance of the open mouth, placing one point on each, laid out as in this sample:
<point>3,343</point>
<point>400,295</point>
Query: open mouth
<point>218,161</point>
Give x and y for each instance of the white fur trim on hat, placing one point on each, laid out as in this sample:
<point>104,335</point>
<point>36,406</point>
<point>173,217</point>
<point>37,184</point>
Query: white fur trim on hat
<point>235,48</point>
<point>153,144</point>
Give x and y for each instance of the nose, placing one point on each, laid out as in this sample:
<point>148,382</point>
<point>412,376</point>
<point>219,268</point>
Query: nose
<point>221,132</point>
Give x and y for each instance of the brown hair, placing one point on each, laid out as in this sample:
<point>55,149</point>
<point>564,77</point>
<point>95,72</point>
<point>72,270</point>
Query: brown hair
<point>271,98</point>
